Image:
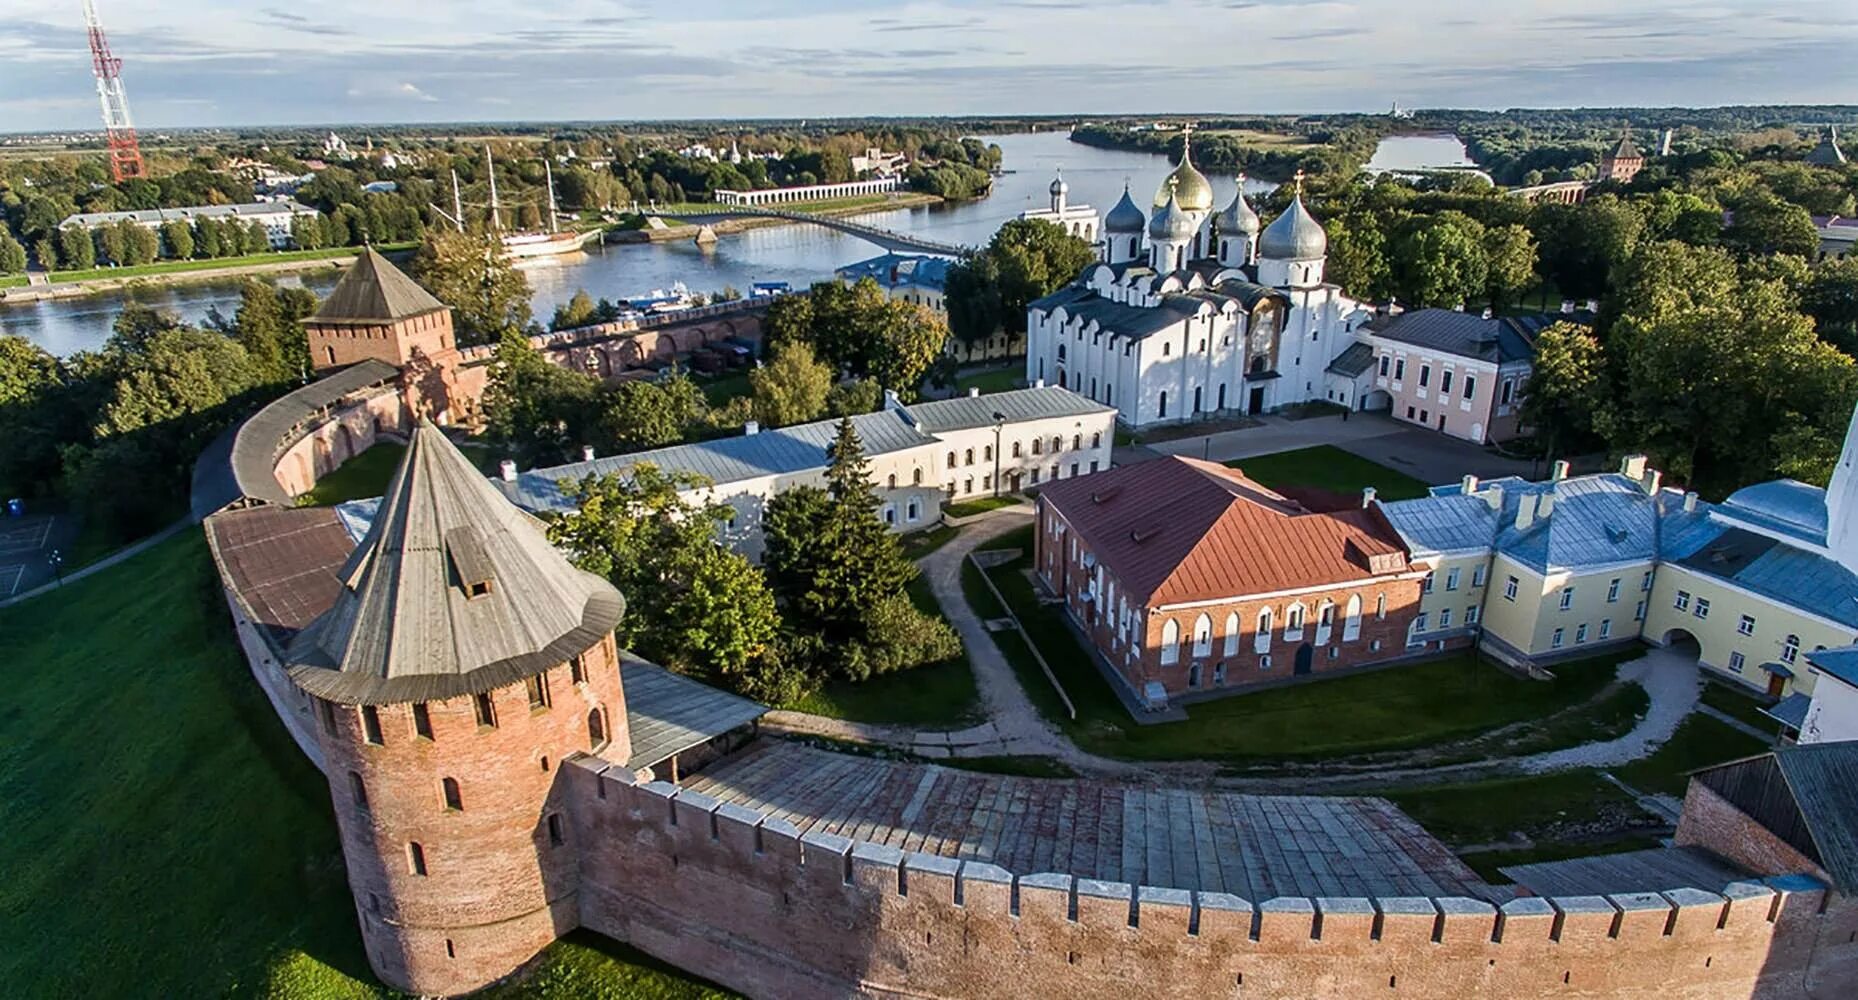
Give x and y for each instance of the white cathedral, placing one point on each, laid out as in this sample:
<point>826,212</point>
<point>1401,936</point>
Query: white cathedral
<point>1191,313</point>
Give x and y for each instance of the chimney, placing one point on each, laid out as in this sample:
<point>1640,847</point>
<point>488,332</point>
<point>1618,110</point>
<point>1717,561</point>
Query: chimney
<point>891,402</point>
<point>1367,497</point>
<point>587,453</point>
<point>974,392</point>
<point>1593,305</point>
<point>1632,467</point>
<point>1468,486</point>
<point>1653,480</point>
<point>508,468</point>
<point>1486,313</point>
<point>1493,496</point>
<point>1558,471</point>
<point>1039,384</point>
<point>751,427</point>
<point>1690,502</point>
<point>1545,506</point>
<point>1567,306</point>
<point>1525,512</point>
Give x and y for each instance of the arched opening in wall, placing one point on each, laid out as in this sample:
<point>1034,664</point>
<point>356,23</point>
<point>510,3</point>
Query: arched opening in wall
<point>1377,401</point>
<point>344,447</point>
<point>596,729</point>
<point>1682,644</point>
<point>454,800</point>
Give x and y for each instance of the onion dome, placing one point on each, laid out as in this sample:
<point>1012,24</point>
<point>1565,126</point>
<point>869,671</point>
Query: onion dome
<point>1059,186</point>
<point>1295,235</point>
<point>1186,184</point>
<point>1171,223</point>
<point>1125,217</point>
<point>1238,218</point>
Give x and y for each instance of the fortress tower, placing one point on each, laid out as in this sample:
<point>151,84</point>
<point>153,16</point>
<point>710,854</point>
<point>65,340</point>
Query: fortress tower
<point>463,659</point>
<point>377,312</point>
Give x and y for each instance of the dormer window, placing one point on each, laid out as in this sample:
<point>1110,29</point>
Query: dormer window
<point>464,547</point>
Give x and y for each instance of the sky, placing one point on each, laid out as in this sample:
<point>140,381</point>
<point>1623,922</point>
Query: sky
<point>263,62</point>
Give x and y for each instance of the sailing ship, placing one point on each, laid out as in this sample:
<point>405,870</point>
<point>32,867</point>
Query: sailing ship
<point>520,245</point>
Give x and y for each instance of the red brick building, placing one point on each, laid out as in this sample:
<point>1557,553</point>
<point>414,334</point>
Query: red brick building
<point>1623,162</point>
<point>1188,577</point>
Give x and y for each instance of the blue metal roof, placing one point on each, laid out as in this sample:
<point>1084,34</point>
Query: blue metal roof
<point>1841,663</point>
<point>968,412</point>
<point>1780,572</point>
<point>1443,523</point>
<point>1595,520</point>
<point>784,451</point>
<point>1790,711</point>
<point>899,269</point>
<point>1501,339</point>
<point>1785,506</point>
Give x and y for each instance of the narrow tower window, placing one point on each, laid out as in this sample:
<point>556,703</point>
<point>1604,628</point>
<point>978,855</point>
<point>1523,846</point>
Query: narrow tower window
<point>357,790</point>
<point>577,670</point>
<point>596,729</point>
<point>486,713</point>
<point>371,724</point>
<point>422,720</point>
<point>453,800</point>
<point>415,857</point>
<point>538,691</point>
<point>554,829</point>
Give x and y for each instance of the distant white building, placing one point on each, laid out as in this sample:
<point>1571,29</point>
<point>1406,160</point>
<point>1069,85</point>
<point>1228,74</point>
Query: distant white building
<point>1078,220</point>
<point>879,163</point>
<point>920,456</point>
<point>335,147</point>
<point>276,216</point>
<point>1191,314</point>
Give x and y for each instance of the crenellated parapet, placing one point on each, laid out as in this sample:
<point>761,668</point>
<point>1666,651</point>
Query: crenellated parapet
<point>741,897</point>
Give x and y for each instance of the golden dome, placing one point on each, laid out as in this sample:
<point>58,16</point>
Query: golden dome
<point>1187,184</point>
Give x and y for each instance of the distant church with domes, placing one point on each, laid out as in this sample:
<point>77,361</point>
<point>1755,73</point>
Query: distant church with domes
<point>1192,313</point>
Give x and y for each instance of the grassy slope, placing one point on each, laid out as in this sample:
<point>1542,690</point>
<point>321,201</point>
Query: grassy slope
<point>362,476</point>
<point>1327,467</point>
<point>164,838</point>
<point>1699,742</point>
<point>991,379</point>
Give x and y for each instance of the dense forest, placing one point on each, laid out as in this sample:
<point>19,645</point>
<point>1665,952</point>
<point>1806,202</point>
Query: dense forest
<point>1271,148</point>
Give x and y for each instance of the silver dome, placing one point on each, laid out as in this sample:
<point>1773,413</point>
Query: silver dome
<point>1295,235</point>
<point>1125,217</point>
<point>1058,185</point>
<point>1172,222</point>
<point>1239,218</point>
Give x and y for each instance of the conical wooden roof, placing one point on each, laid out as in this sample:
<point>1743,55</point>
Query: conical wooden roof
<point>454,591</point>
<point>375,292</point>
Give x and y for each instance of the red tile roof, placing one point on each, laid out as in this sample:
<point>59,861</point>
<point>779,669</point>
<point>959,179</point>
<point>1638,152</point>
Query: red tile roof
<point>1181,530</point>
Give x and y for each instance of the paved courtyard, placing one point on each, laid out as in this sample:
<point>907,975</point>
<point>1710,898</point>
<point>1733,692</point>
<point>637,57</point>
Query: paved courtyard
<point>1425,455</point>
<point>1253,846</point>
<point>25,545</point>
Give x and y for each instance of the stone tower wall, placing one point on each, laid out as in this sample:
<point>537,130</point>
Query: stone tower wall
<point>740,898</point>
<point>500,877</point>
<point>337,345</point>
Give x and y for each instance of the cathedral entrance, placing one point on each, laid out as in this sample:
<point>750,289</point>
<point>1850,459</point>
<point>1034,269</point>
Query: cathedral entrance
<point>1257,401</point>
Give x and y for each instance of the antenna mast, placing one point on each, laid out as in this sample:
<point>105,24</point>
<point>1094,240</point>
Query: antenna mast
<point>125,152</point>
<point>496,220</point>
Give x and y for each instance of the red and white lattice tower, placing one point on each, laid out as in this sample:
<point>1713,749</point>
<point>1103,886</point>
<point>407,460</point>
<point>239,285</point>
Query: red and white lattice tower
<point>125,152</point>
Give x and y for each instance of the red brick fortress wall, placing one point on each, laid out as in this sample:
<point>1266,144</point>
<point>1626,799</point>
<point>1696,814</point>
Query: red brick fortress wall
<point>738,897</point>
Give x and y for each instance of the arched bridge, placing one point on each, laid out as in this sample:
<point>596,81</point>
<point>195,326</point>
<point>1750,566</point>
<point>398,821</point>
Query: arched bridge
<point>887,238</point>
<point>1563,192</point>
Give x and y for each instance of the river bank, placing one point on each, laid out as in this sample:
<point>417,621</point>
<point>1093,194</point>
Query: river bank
<point>333,261</point>
<point>676,228</point>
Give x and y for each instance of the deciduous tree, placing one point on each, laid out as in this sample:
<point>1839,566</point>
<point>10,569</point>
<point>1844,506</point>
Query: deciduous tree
<point>470,273</point>
<point>792,387</point>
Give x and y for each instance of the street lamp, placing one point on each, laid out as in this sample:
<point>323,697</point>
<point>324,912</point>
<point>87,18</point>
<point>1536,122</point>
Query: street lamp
<point>999,425</point>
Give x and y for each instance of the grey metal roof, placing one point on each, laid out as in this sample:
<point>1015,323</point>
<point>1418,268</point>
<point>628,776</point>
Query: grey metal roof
<point>1786,506</point>
<point>968,412</point>
<point>407,627</point>
<point>1125,217</point>
<point>373,291</point>
<point>1654,870</point>
<point>1443,523</point>
<point>1135,322</point>
<point>667,713</point>
<point>1499,340</point>
<point>1239,217</point>
<point>782,451</point>
<point>1790,711</point>
<point>1823,778</point>
<point>1595,520</point>
<point>266,434</point>
<point>1778,571</point>
<point>1062,297</point>
<point>1358,357</point>
<point>1294,235</point>
<point>1172,222</point>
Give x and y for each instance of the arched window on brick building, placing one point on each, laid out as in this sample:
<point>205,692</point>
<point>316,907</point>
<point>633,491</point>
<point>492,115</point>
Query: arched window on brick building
<point>1203,635</point>
<point>1170,642</point>
<point>596,729</point>
<point>453,798</point>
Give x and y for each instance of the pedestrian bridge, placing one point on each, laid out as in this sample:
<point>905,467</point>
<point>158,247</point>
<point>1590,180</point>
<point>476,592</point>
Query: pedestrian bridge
<point>886,238</point>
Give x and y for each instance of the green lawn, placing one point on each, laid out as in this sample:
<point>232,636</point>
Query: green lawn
<point>14,281</point>
<point>362,476</point>
<point>1737,705</point>
<point>164,837</point>
<point>1541,807</point>
<point>990,380</point>
<point>1326,467</point>
<point>918,544</point>
<point>720,389</point>
<point>980,505</point>
<point>1398,708</point>
<point>1487,863</point>
<point>1698,743</point>
<point>181,266</point>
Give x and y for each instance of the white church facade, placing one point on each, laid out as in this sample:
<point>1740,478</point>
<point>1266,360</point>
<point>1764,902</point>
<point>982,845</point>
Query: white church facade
<point>1191,313</point>
<point>1075,219</point>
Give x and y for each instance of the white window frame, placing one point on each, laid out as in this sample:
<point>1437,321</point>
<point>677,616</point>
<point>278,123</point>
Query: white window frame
<point>1509,588</point>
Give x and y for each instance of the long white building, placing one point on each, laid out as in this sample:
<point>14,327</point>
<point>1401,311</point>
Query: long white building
<point>275,215</point>
<point>1190,313</point>
<point>921,455</point>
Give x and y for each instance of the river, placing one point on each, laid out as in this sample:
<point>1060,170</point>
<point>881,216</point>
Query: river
<point>798,254</point>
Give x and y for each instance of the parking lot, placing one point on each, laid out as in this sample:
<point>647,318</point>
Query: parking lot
<point>25,545</point>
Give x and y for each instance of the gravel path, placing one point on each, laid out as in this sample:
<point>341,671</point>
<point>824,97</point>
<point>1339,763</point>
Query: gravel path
<point>1014,726</point>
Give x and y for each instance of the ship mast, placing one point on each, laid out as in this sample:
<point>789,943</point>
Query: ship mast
<point>554,214</point>
<point>457,204</point>
<point>496,221</point>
